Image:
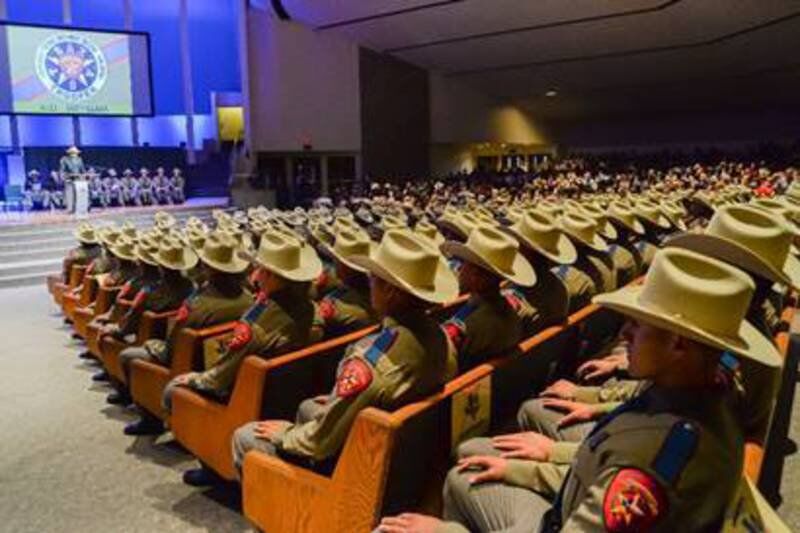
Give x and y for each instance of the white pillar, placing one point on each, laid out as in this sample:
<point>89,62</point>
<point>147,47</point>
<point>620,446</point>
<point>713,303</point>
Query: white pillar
<point>127,9</point>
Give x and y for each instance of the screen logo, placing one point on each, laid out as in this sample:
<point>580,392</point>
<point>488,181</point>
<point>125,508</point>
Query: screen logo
<point>71,67</point>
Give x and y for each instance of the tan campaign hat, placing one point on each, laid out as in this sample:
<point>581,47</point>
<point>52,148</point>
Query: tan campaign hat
<point>539,231</point>
<point>787,210</point>
<point>389,222</point>
<point>348,243</point>
<point>604,227</point>
<point>129,230</point>
<point>582,230</point>
<point>459,222</point>
<point>288,256</point>
<point>73,150</point>
<point>146,250</point>
<point>697,297</point>
<point>411,263</point>
<point>220,252</point>
<point>174,255</point>
<point>124,248</point>
<point>650,213</point>
<point>495,251</point>
<point>426,229</point>
<point>323,233</point>
<point>108,235</point>
<point>750,238</point>
<point>86,234</point>
<point>624,215</point>
<point>196,237</point>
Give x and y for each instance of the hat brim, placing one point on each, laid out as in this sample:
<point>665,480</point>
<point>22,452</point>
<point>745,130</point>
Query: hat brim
<point>309,269</point>
<point>147,259</point>
<point>190,260</point>
<point>661,222</point>
<point>236,265</point>
<point>748,343</point>
<point>444,288</point>
<point>635,227</point>
<point>564,254</point>
<point>347,261</point>
<point>521,272</point>
<point>739,256</point>
<point>598,244</point>
<point>608,231</point>
<point>125,257</point>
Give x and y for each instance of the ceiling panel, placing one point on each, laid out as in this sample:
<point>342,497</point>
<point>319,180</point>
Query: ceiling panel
<point>602,56</point>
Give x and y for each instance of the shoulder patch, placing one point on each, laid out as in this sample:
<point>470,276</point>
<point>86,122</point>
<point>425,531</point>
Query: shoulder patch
<point>678,448</point>
<point>255,310</point>
<point>455,331</point>
<point>633,502</point>
<point>183,312</point>
<point>355,376</point>
<point>327,309</point>
<point>123,292</point>
<point>242,334</point>
<point>464,311</point>
<point>140,297</point>
<point>380,345</point>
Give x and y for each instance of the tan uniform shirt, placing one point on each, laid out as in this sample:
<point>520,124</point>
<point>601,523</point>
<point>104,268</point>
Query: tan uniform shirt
<point>486,326</point>
<point>580,286</point>
<point>272,326</point>
<point>404,362</point>
<point>205,307</point>
<point>344,309</point>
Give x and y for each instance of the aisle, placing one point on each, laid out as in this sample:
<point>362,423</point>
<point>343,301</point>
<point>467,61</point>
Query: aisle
<point>65,464</point>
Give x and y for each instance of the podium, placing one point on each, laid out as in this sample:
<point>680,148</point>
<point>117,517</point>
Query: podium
<point>77,196</point>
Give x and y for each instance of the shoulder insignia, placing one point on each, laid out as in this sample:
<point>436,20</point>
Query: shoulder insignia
<point>140,297</point>
<point>242,334</point>
<point>513,298</point>
<point>261,297</point>
<point>633,502</point>
<point>327,309</point>
<point>561,271</point>
<point>123,292</point>
<point>355,376</point>
<point>678,448</point>
<point>455,331</point>
<point>255,311</point>
<point>380,345</point>
<point>183,312</point>
<point>464,311</point>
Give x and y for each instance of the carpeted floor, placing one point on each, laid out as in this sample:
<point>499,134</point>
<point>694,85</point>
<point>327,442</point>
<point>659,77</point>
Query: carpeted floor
<point>65,464</point>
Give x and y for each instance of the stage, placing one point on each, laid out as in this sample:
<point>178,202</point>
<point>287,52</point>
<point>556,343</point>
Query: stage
<point>33,244</point>
<point>99,215</point>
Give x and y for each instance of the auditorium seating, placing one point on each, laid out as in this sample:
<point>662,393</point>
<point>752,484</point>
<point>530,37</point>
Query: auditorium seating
<point>75,277</point>
<point>151,326</point>
<point>102,303</point>
<point>83,297</point>
<point>396,461</point>
<point>93,332</point>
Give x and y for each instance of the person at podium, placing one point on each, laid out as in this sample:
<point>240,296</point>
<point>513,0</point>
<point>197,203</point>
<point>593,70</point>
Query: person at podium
<point>71,165</point>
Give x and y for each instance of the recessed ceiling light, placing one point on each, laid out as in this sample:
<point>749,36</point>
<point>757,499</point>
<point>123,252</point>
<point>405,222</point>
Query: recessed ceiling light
<point>551,93</point>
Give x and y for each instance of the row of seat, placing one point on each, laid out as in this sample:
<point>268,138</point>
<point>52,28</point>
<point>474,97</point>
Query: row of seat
<point>391,461</point>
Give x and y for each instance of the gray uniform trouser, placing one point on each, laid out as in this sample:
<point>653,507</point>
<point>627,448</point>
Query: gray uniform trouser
<point>533,416</point>
<point>244,439</point>
<point>492,507</point>
<point>127,357</point>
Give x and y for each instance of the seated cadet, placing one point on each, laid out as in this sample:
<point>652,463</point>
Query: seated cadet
<point>594,258</point>
<point>629,232</point>
<point>403,362</point>
<point>279,321</point>
<point>160,186</point>
<point>124,267</point>
<point>167,293</point>
<point>656,226</point>
<point>146,193</point>
<point>221,298</point>
<point>36,196</point>
<point>549,252</point>
<point>130,190</point>
<point>347,307</point>
<point>177,186</point>
<point>105,187</point>
<point>95,189</point>
<point>486,325</point>
<point>88,249</point>
<point>623,261</point>
<point>668,460</point>
<point>115,191</point>
<point>55,190</point>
